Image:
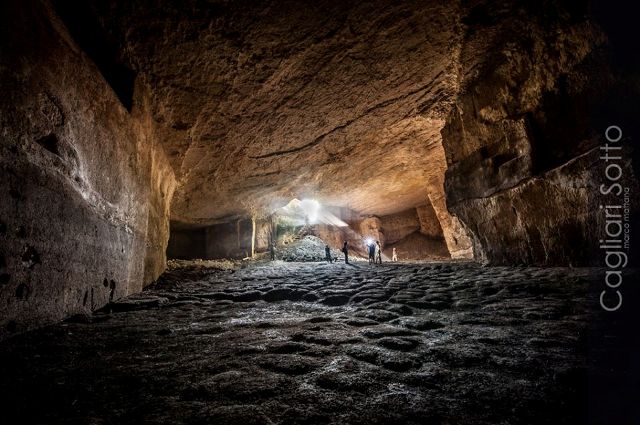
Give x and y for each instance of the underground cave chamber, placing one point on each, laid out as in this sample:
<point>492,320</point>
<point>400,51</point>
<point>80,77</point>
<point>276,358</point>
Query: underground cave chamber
<point>154,158</point>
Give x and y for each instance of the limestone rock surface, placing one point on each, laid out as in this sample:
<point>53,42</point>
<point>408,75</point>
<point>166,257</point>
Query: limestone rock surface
<point>262,102</point>
<point>85,191</point>
<point>523,142</point>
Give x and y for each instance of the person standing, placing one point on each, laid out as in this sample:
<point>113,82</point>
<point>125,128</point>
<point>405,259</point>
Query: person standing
<point>272,249</point>
<point>327,253</point>
<point>345,251</point>
<point>372,252</point>
<point>378,252</point>
<point>394,255</point>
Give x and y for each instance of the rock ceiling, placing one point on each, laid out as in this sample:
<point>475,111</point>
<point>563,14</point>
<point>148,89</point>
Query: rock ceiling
<point>260,103</point>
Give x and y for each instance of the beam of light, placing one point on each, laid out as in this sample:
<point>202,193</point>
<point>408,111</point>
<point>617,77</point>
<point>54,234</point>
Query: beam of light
<point>369,241</point>
<point>311,208</point>
<point>308,211</point>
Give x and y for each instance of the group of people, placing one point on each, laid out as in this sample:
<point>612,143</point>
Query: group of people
<point>345,251</point>
<point>374,250</point>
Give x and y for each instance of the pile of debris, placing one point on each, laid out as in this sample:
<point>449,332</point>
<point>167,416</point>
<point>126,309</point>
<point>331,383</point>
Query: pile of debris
<point>308,248</point>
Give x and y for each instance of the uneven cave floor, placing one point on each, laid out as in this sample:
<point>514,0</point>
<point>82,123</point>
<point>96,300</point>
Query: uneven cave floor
<point>292,343</point>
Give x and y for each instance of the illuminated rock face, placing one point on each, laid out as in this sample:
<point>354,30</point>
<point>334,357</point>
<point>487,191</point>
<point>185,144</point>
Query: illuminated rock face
<point>85,191</point>
<point>367,107</point>
<point>522,144</point>
<point>264,102</point>
<point>341,102</point>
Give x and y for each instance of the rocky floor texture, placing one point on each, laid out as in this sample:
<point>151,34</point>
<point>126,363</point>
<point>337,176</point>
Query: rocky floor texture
<point>314,343</point>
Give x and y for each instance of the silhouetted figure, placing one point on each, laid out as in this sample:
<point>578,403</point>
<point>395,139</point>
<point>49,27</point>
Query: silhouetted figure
<point>372,252</point>
<point>272,250</point>
<point>378,252</point>
<point>345,251</point>
<point>394,255</point>
<point>327,253</point>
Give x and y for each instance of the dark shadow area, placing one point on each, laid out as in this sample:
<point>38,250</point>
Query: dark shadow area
<point>614,350</point>
<point>50,143</point>
<point>86,30</point>
<point>620,24</point>
<point>186,243</point>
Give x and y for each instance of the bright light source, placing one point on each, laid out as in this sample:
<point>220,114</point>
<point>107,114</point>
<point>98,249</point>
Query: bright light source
<point>308,211</point>
<point>311,208</point>
<point>369,241</point>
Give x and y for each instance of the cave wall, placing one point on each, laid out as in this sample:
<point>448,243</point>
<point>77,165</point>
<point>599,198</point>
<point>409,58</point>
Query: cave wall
<point>371,227</point>
<point>85,191</point>
<point>418,246</point>
<point>522,143</point>
<point>428,222</point>
<point>335,236</point>
<point>415,232</point>
<point>187,244</point>
<point>417,235</point>
<point>162,184</point>
<point>398,226</point>
<point>222,239</point>
<point>458,241</point>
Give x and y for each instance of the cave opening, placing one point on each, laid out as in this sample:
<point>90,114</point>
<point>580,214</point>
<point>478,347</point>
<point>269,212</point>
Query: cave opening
<point>286,212</point>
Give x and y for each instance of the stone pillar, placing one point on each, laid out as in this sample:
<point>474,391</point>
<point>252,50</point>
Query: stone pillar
<point>455,235</point>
